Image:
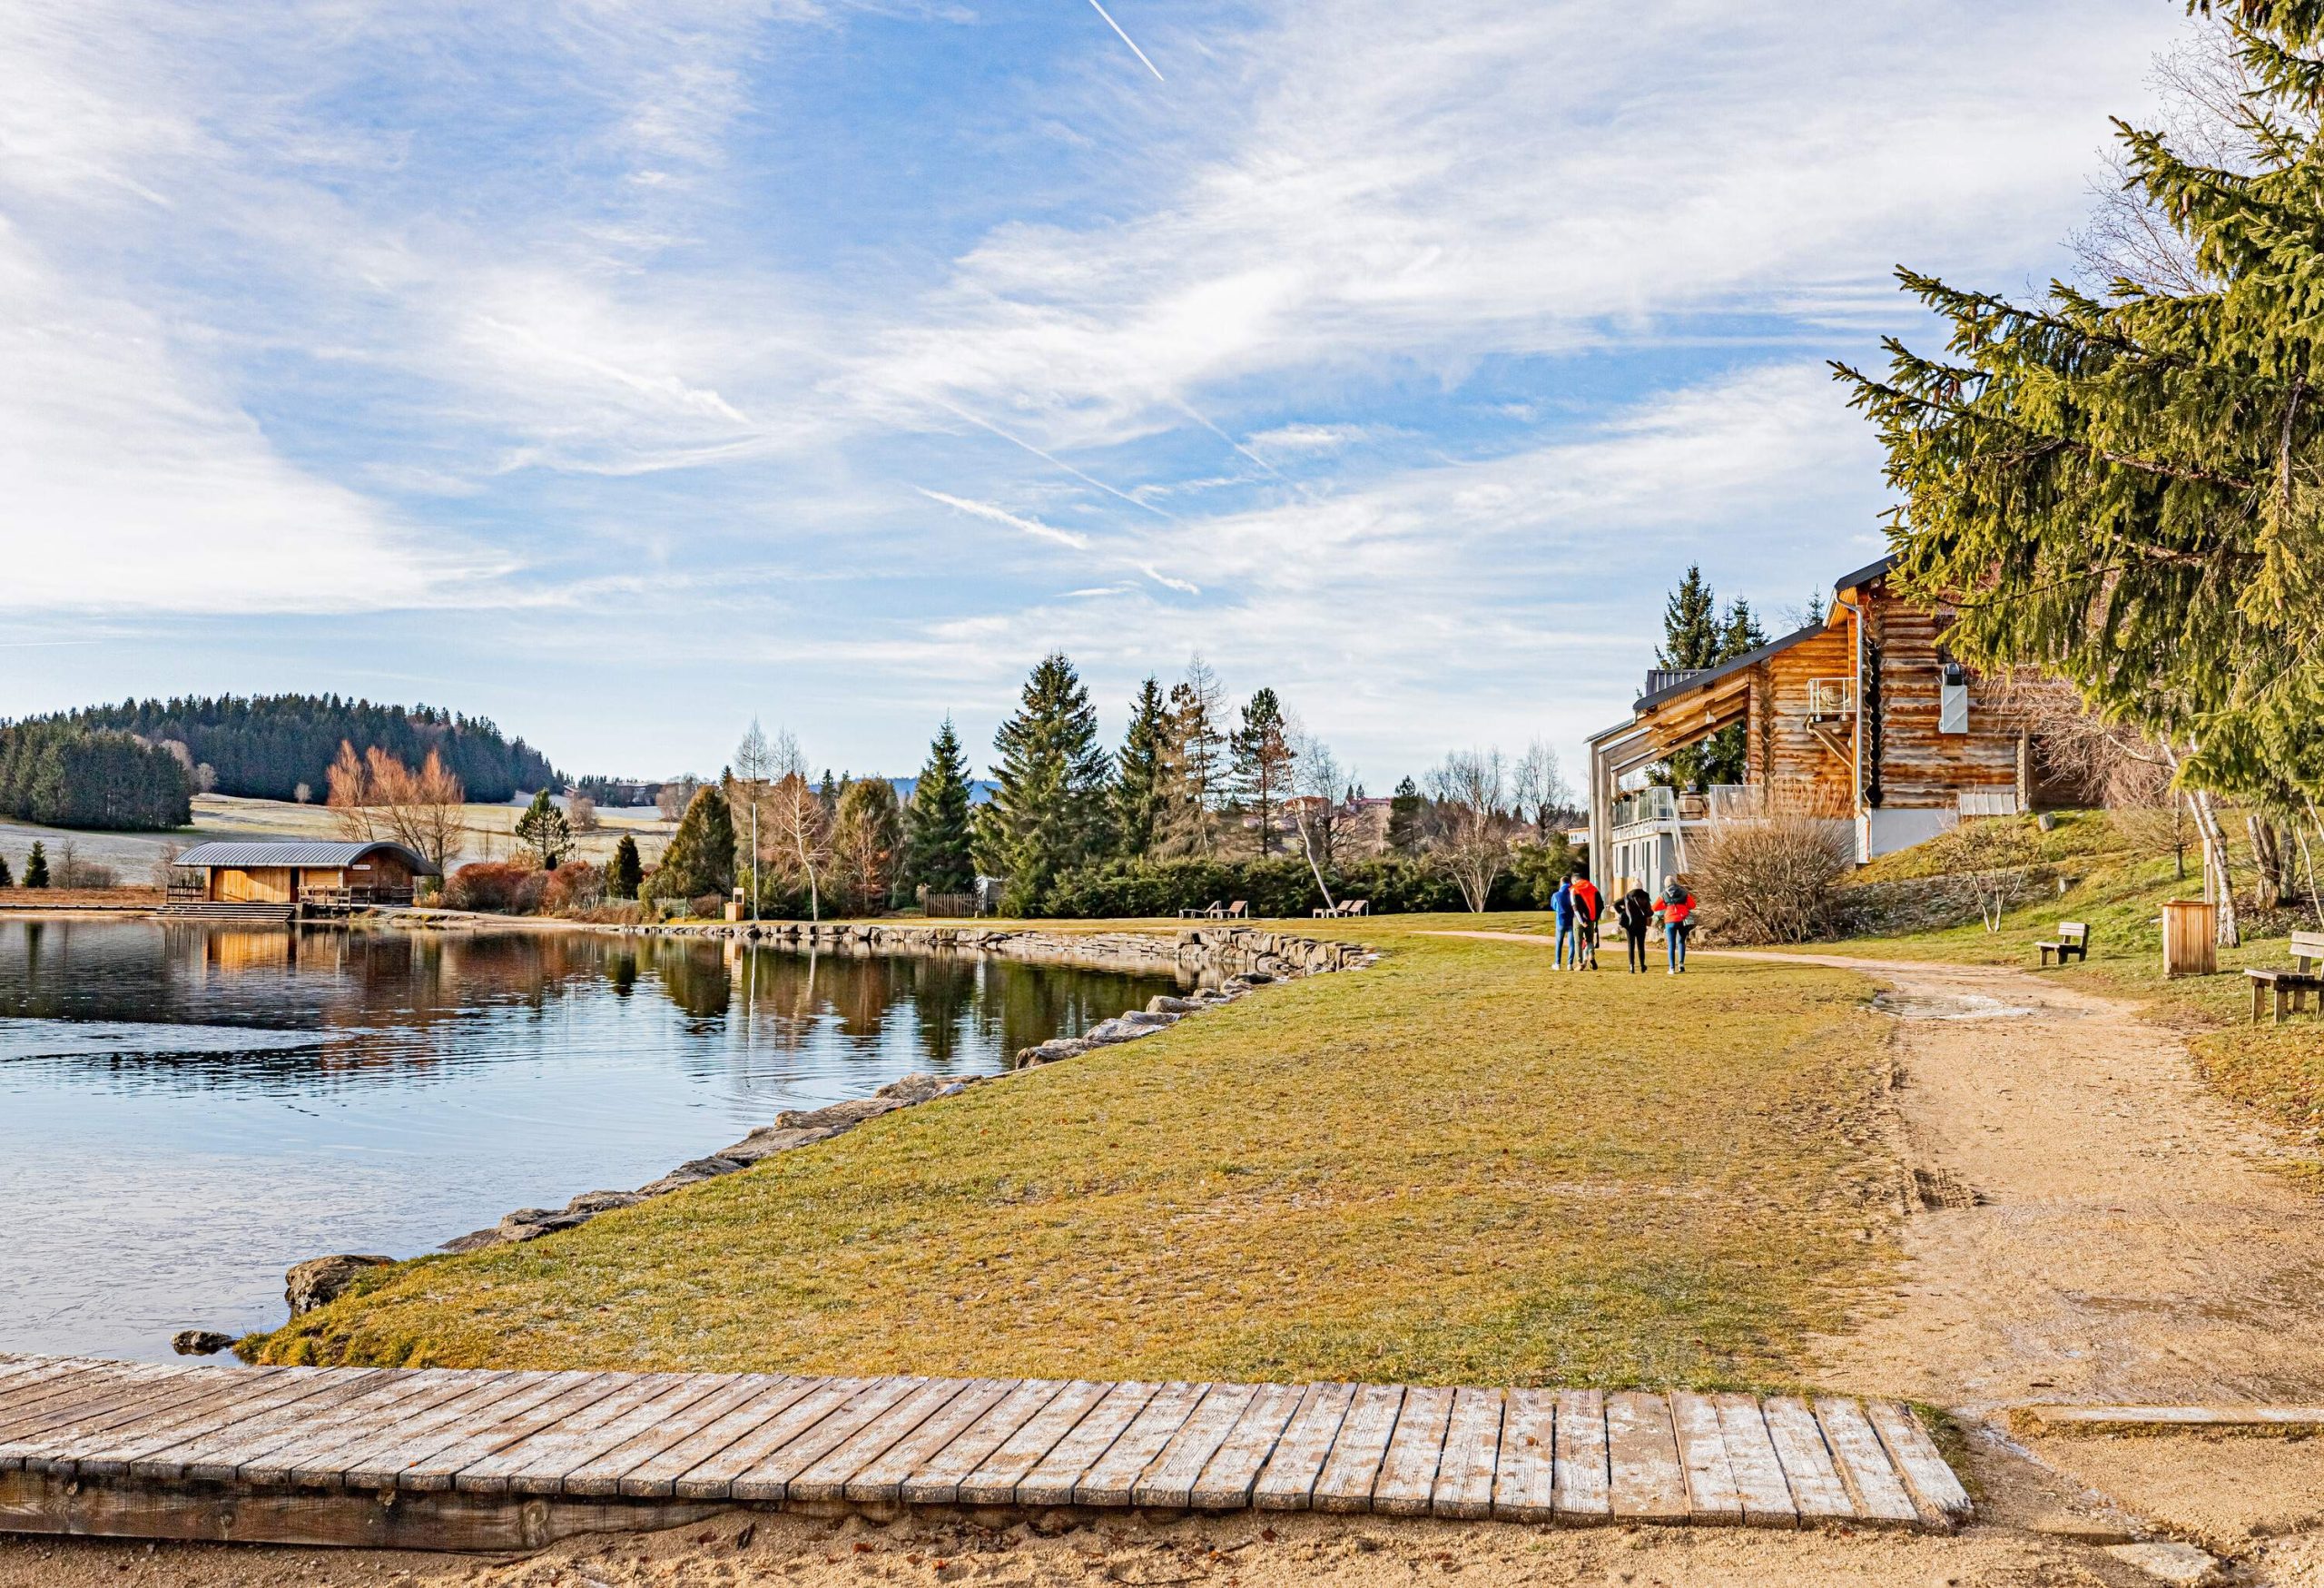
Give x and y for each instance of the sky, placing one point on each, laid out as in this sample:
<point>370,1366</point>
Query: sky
<point>622,370</point>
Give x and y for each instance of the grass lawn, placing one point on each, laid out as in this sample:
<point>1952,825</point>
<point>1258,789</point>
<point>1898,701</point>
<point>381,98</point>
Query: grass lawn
<point>1458,1166</point>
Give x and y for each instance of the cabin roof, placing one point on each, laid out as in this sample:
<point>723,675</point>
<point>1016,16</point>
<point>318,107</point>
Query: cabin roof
<point>1864,574</point>
<point>1732,664</point>
<point>243,854</point>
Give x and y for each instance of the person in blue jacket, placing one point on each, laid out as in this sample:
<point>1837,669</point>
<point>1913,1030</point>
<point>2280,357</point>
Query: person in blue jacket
<point>1568,931</point>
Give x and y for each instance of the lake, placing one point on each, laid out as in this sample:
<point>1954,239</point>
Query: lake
<point>187,1110</point>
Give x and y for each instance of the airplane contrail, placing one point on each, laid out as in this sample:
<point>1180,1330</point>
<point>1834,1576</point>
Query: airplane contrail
<point>1128,40</point>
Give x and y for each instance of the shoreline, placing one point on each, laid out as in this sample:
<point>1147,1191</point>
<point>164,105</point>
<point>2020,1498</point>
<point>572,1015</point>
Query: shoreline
<point>1244,958</point>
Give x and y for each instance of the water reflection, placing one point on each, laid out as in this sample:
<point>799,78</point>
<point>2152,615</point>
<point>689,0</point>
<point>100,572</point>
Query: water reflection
<point>185,1110</point>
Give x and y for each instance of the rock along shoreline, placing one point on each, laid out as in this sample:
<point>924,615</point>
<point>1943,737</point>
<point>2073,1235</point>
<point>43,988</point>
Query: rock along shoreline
<point>1242,959</point>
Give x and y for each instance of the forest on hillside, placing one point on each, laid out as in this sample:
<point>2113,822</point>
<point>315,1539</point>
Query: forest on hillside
<point>272,746</point>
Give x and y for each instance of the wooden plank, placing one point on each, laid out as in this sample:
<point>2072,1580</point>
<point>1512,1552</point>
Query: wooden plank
<point>938,1481</point>
<point>1170,1479</point>
<point>214,1458</point>
<point>1645,1481</point>
<point>53,1447</point>
<point>1712,1495</point>
<point>648,1431</point>
<point>827,1477</point>
<point>1880,1496</point>
<point>490,1423</point>
<point>1751,1457</point>
<point>441,1468</point>
<point>1465,1478</point>
<point>1814,1482</point>
<point>882,1480</point>
<point>1930,1477</point>
<point>30,1380</point>
<point>147,1449</point>
<point>1582,1484</point>
<point>1524,1468</point>
<point>712,1477</point>
<point>394,1405</point>
<point>65,1398</point>
<point>995,1480</point>
<point>537,1464</point>
<point>657,1476</point>
<point>451,1399</point>
<point>768,1479</point>
<point>1112,1478</point>
<point>1345,1483</point>
<point>1407,1477</point>
<point>1289,1481</point>
<point>1226,1483</point>
<point>1052,1481</point>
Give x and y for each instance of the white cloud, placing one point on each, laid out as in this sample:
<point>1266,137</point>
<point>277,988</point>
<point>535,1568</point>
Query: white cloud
<point>1307,438</point>
<point>1017,521</point>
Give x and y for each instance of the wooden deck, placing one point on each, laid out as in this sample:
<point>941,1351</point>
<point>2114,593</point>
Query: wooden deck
<point>484,1460</point>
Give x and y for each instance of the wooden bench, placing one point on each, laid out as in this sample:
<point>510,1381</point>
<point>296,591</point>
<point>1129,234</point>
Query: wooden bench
<point>1238,910</point>
<point>1203,913</point>
<point>2072,941</point>
<point>2291,987</point>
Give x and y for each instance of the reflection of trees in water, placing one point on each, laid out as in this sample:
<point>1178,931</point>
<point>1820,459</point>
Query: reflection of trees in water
<point>387,1002</point>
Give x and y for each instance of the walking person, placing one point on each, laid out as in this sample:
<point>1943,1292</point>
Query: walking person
<point>1678,911</point>
<point>1588,907</point>
<point>1563,902</point>
<point>1635,910</point>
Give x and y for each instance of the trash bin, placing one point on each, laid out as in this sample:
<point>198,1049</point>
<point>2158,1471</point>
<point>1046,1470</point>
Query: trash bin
<point>2190,938</point>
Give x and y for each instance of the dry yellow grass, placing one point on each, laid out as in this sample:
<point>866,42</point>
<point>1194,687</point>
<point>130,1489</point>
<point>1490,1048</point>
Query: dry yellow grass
<point>1457,1165</point>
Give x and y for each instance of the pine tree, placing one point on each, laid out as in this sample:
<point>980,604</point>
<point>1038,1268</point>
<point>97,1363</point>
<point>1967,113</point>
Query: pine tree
<point>1263,758</point>
<point>37,866</point>
<point>937,853</point>
<point>1139,780</point>
<point>1692,638</point>
<point>7,877</point>
<point>2131,480</point>
<point>867,838</point>
<point>1404,818</point>
<point>543,828</point>
<point>701,856</point>
<point>626,871</point>
<point>1049,812</point>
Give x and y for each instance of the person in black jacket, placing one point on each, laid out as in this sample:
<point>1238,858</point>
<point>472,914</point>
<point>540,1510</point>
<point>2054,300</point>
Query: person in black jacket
<point>1635,910</point>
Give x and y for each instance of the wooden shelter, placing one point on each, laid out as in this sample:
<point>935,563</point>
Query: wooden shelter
<point>284,874</point>
<point>1863,718</point>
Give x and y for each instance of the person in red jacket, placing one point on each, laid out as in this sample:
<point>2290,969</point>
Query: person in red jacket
<point>1678,911</point>
<point>1589,904</point>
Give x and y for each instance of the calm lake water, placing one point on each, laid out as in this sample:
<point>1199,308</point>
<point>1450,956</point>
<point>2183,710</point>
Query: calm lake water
<point>186,1110</point>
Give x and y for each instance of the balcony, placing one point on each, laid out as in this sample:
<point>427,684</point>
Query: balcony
<point>1830,699</point>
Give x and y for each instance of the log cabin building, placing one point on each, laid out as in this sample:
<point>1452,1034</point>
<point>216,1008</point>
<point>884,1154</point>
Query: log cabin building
<point>1863,718</point>
<point>262,877</point>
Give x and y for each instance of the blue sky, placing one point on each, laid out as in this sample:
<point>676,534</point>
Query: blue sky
<point>622,368</point>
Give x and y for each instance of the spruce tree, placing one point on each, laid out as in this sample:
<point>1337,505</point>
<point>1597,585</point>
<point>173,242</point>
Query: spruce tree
<point>937,853</point>
<point>701,856</point>
<point>7,877</point>
<point>37,866</point>
<point>1263,757</point>
<point>1404,818</point>
<point>543,828</point>
<point>626,871</point>
<point>1048,812</point>
<point>1139,780</point>
<point>2130,481</point>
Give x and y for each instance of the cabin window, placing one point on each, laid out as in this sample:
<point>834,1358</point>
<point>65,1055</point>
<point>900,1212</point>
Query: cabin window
<point>1952,700</point>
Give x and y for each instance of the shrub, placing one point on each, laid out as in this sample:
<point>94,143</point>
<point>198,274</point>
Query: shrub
<point>1773,879</point>
<point>499,886</point>
<point>1279,887</point>
<point>574,886</point>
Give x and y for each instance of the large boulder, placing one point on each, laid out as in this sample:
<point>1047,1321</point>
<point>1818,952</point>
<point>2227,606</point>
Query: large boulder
<point>199,1342</point>
<point>319,1281</point>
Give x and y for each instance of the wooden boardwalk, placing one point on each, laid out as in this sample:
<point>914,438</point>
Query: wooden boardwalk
<point>436,1458</point>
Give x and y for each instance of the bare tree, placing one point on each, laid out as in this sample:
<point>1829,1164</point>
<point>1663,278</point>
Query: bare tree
<point>1316,805</point>
<point>1540,786</point>
<point>754,761</point>
<point>580,811</point>
<point>350,797</point>
<point>797,824</point>
<point>671,800</point>
<point>375,796</point>
<point>1471,796</point>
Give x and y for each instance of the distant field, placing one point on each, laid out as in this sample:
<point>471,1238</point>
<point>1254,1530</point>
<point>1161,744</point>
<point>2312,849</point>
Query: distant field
<point>134,855</point>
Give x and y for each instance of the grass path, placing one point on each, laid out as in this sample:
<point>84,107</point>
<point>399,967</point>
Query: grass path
<point>1458,1166</point>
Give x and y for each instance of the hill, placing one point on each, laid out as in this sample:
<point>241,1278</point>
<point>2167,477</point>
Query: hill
<point>266,747</point>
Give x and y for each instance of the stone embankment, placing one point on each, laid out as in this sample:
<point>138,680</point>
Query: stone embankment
<point>1236,960</point>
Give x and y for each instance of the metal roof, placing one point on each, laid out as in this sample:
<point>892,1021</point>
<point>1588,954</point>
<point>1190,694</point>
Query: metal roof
<point>1864,574</point>
<point>1736,664</point>
<point>300,852</point>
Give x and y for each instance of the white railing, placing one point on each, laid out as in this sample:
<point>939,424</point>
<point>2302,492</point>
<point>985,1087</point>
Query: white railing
<point>1988,802</point>
<point>1652,803</point>
<point>1831,698</point>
